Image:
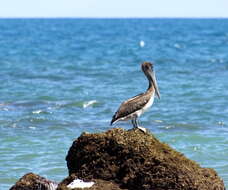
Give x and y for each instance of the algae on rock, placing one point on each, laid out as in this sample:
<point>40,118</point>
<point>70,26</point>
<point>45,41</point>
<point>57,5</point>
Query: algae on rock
<point>137,161</point>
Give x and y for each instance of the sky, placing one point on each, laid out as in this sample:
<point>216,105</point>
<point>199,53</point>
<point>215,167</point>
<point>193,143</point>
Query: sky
<point>113,8</point>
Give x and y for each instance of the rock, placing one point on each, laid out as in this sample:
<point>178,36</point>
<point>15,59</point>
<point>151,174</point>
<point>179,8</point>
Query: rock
<point>99,184</point>
<point>32,181</point>
<point>137,161</point>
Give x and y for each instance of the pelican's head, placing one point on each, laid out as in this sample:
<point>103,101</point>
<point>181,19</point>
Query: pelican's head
<point>148,69</point>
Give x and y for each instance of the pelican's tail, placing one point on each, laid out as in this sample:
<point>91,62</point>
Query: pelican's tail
<point>113,119</point>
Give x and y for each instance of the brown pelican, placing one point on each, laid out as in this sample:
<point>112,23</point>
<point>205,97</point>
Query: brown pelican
<point>135,106</point>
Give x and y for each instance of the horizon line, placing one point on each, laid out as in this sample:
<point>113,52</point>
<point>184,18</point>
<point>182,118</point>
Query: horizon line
<point>78,17</point>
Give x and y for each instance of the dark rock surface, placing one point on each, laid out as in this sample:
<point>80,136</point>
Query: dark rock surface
<point>31,181</point>
<point>137,161</point>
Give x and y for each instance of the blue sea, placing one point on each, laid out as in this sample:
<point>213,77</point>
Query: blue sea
<point>61,77</point>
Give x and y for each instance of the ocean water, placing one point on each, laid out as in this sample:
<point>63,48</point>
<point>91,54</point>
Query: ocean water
<point>60,77</point>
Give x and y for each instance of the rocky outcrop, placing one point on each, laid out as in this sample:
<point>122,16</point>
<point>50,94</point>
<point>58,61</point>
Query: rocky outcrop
<point>137,161</point>
<point>126,160</point>
<point>31,181</point>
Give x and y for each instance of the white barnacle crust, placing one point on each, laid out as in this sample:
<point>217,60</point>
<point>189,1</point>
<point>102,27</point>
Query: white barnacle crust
<point>77,183</point>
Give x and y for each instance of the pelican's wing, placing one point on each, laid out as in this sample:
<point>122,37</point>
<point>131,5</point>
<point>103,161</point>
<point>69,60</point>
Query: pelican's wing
<point>130,106</point>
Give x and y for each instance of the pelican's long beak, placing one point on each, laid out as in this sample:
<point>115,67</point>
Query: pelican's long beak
<point>154,81</point>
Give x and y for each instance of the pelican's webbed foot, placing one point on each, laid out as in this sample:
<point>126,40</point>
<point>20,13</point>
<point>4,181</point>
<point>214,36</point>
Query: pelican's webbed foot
<point>136,125</point>
<point>141,128</point>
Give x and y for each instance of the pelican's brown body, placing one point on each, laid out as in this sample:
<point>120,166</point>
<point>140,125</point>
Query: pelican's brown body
<point>135,106</point>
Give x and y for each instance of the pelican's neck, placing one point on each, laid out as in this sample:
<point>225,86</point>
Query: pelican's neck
<point>150,80</point>
<point>152,88</point>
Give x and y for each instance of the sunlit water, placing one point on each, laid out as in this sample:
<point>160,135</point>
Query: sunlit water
<point>62,77</point>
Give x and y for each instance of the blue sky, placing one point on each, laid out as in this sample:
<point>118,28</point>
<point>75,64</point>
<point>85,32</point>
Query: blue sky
<point>113,8</point>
